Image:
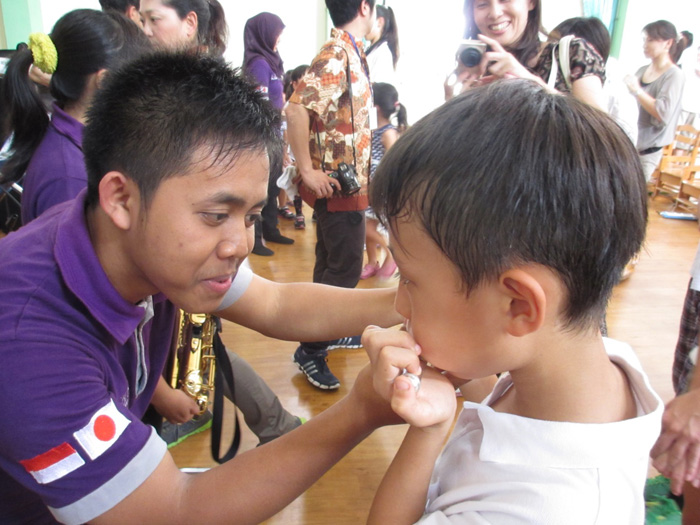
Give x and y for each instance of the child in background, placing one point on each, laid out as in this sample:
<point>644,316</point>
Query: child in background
<point>291,79</point>
<point>511,214</point>
<point>386,101</point>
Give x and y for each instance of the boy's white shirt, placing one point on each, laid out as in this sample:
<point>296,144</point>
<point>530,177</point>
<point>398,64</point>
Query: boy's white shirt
<point>501,468</point>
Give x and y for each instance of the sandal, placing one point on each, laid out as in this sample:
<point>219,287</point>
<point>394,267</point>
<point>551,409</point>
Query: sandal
<point>285,212</point>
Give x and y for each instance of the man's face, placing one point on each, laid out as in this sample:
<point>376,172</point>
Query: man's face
<point>198,229</point>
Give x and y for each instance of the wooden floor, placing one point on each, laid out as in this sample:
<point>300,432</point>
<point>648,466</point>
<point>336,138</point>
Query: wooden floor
<point>644,311</point>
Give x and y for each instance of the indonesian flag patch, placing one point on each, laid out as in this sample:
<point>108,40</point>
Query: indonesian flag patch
<point>104,428</point>
<point>53,464</point>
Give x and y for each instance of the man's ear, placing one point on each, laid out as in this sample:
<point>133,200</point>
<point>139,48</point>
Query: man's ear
<point>119,199</point>
<point>365,9</point>
<point>527,301</point>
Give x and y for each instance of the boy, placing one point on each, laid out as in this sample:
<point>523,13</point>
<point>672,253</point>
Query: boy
<point>512,213</point>
<point>178,151</point>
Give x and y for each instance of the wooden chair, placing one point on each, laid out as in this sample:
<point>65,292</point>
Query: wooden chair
<point>676,161</point>
<point>689,193</point>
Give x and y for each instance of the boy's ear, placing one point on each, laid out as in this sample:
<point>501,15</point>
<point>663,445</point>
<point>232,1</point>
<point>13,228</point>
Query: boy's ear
<point>119,199</point>
<point>527,301</point>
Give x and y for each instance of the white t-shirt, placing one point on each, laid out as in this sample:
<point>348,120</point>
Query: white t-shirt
<point>506,469</point>
<point>239,285</point>
<point>381,65</point>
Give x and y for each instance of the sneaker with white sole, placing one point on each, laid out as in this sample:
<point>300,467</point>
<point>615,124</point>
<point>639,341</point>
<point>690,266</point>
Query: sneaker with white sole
<point>315,368</point>
<point>346,342</point>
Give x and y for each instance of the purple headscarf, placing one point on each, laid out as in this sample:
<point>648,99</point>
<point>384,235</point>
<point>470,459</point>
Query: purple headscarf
<point>259,38</point>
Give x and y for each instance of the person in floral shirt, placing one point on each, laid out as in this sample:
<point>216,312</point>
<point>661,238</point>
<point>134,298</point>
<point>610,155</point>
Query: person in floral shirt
<point>329,123</point>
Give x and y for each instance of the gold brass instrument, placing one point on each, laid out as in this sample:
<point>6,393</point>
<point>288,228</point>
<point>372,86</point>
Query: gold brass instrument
<point>193,357</point>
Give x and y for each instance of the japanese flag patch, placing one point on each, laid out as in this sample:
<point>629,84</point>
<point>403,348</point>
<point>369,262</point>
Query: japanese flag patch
<point>103,430</point>
<point>53,464</point>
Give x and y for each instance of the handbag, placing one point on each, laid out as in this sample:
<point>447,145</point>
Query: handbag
<point>563,62</point>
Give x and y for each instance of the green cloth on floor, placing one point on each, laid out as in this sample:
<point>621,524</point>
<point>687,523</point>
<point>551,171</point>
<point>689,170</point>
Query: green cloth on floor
<point>660,508</point>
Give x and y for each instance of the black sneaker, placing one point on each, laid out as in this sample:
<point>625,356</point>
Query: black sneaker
<point>173,434</point>
<point>346,342</point>
<point>316,370</point>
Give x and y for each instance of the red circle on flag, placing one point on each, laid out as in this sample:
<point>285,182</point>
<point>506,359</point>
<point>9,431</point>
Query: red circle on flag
<point>104,428</point>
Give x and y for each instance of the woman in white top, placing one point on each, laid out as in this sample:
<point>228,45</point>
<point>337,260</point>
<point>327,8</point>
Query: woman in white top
<point>383,54</point>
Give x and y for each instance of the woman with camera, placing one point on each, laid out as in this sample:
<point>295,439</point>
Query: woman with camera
<point>510,32</point>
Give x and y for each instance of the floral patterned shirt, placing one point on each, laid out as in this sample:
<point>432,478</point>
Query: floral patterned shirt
<point>323,91</point>
<point>584,61</point>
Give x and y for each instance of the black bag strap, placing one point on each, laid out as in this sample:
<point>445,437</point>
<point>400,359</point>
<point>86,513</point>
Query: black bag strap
<point>224,375</point>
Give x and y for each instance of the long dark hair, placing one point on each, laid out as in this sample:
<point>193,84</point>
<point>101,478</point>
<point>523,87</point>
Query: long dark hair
<point>386,98</point>
<point>212,31</point>
<point>528,45</point>
<point>390,33</point>
<point>86,41</point>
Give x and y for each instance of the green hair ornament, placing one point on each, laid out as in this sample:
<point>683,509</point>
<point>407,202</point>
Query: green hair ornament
<point>44,52</point>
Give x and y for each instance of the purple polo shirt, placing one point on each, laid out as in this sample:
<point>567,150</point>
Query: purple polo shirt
<point>71,438</point>
<point>57,171</point>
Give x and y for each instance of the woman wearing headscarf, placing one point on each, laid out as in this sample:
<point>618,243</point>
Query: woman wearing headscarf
<point>263,63</point>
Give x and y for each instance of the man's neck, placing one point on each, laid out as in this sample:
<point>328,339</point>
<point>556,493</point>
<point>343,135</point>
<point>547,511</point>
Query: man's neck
<point>355,28</point>
<point>114,259</point>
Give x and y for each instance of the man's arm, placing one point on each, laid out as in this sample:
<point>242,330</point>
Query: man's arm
<point>311,312</point>
<point>258,483</point>
<point>298,122</point>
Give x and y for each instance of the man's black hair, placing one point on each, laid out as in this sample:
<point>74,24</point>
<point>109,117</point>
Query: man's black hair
<point>153,115</point>
<point>119,5</point>
<point>508,174</point>
<point>343,12</point>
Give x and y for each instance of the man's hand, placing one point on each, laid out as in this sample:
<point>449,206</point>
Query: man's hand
<point>676,453</point>
<point>319,183</point>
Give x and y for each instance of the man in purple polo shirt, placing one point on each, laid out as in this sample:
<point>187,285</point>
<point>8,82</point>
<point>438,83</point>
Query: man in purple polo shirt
<point>178,151</point>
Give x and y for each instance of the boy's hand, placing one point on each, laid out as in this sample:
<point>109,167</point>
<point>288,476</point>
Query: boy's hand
<point>391,352</point>
<point>174,405</point>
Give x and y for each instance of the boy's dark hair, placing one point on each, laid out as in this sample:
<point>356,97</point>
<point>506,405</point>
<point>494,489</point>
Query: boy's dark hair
<point>345,11</point>
<point>151,117</point>
<point>508,174</point>
<point>591,29</point>
<point>119,5</point>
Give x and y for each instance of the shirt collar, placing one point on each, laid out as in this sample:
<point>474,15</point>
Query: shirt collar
<point>345,37</point>
<point>67,126</point>
<point>85,277</point>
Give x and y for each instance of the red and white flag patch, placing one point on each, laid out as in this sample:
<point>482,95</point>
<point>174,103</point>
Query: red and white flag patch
<point>53,464</point>
<point>104,428</point>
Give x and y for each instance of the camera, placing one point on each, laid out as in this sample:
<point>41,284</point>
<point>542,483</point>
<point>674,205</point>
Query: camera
<point>347,177</point>
<point>470,52</point>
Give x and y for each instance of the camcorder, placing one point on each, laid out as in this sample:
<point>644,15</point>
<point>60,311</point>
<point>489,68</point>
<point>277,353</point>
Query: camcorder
<point>346,175</point>
<point>470,52</point>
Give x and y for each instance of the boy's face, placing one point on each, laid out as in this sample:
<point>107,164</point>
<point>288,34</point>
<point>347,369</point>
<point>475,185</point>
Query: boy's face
<point>198,229</point>
<point>456,332</point>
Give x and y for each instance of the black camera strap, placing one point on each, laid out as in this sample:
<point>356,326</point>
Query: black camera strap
<point>352,113</point>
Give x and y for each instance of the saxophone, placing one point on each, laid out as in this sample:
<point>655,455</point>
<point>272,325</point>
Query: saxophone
<point>193,360</point>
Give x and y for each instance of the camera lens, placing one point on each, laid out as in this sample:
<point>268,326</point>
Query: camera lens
<point>470,57</point>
